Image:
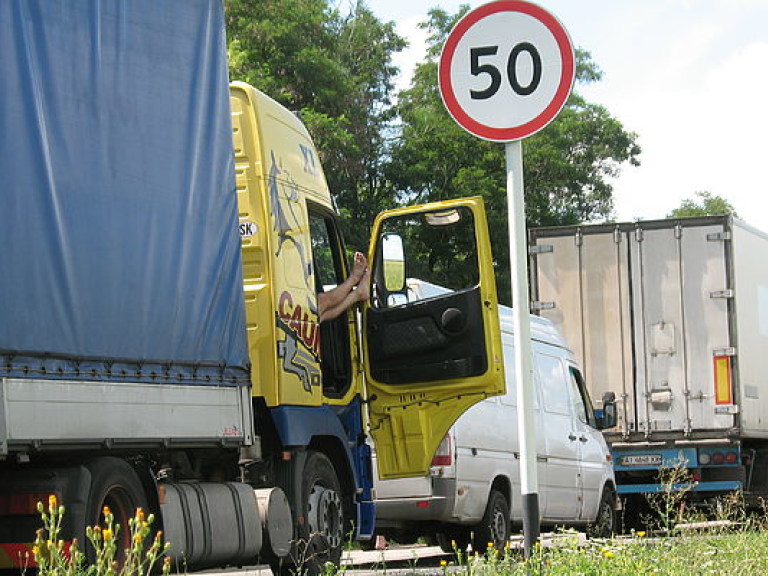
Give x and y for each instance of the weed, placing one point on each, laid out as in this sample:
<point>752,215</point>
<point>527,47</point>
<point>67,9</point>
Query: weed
<point>55,557</point>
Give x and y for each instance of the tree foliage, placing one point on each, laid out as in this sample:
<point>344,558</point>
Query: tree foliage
<point>336,71</point>
<point>567,166</point>
<point>708,204</point>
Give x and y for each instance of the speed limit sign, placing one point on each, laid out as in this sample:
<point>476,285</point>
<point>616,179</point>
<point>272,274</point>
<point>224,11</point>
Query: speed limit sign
<point>506,70</point>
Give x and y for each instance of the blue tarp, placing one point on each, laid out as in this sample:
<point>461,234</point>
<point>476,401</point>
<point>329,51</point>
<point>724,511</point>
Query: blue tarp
<point>119,250</point>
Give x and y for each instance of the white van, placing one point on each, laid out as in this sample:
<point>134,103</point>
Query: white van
<point>472,494</point>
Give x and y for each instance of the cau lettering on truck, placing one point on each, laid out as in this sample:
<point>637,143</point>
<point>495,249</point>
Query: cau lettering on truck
<point>165,236</point>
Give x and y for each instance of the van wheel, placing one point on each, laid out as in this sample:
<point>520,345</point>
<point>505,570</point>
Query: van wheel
<point>454,540</point>
<point>606,522</point>
<point>495,527</point>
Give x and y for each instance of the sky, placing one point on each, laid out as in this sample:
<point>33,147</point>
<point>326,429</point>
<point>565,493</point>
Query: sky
<point>689,77</point>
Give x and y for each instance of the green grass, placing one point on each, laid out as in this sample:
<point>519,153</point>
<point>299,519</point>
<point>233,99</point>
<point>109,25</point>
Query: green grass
<point>741,552</point>
<point>725,541</point>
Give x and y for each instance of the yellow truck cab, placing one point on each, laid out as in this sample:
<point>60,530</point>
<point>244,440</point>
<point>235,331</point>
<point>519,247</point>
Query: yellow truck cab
<point>397,369</point>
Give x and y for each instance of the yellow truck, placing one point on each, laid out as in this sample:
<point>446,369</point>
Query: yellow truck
<point>165,237</point>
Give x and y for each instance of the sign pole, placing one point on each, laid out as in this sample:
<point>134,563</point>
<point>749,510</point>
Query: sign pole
<point>518,255</point>
<point>505,72</point>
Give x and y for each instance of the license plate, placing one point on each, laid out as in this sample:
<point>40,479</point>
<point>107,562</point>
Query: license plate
<point>641,460</point>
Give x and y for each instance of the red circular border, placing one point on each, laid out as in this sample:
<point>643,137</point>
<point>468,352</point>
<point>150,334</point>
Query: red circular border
<point>563,89</point>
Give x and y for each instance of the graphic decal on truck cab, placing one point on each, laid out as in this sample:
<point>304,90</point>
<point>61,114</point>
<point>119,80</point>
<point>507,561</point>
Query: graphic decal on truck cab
<point>283,192</point>
<point>299,350</point>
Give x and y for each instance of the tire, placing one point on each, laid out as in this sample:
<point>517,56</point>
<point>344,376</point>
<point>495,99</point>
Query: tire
<point>636,514</point>
<point>496,526</point>
<point>321,534</point>
<point>607,520</point>
<point>114,484</point>
<point>405,537</point>
<point>367,545</point>
<point>454,540</point>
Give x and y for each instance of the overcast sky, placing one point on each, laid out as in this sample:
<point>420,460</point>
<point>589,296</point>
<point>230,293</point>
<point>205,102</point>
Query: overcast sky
<point>688,76</point>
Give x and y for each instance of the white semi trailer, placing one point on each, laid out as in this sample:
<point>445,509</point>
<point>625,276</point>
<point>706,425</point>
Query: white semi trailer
<point>672,317</point>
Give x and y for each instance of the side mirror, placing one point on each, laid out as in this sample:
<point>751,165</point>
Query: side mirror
<point>393,257</point>
<point>608,416</point>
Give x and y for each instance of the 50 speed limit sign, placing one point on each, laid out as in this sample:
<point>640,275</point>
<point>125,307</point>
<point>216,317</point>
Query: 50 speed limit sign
<point>506,70</point>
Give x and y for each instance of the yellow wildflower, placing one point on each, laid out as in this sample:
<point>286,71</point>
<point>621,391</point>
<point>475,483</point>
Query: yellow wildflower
<point>608,553</point>
<point>443,562</point>
<point>107,533</point>
<point>640,534</point>
<point>52,501</point>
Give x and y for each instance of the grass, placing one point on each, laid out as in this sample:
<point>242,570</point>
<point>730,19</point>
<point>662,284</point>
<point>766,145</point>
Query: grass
<point>738,552</point>
<point>682,542</point>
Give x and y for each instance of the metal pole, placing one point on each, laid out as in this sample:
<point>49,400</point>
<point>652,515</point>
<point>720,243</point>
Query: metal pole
<point>518,256</point>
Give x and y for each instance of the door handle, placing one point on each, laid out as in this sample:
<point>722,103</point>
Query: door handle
<point>571,437</point>
<point>583,439</point>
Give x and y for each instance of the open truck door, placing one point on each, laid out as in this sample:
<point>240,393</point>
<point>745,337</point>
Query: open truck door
<point>432,336</point>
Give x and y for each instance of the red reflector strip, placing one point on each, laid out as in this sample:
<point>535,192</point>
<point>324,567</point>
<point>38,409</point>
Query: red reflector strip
<point>16,556</point>
<point>422,504</point>
<point>20,503</point>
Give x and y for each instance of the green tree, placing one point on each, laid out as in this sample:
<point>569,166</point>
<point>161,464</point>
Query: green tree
<point>567,166</point>
<point>708,204</point>
<point>335,70</point>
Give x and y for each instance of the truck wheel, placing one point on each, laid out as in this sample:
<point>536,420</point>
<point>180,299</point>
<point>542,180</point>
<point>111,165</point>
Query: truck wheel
<point>115,484</point>
<point>495,527</point>
<point>321,534</point>
<point>606,522</point>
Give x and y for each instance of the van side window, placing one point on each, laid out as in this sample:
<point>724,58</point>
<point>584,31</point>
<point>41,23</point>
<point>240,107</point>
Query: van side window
<point>510,398</point>
<point>580,397</point>
<point>554,384</point>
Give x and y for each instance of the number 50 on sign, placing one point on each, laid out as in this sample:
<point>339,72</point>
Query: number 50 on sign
<point>506,70</point>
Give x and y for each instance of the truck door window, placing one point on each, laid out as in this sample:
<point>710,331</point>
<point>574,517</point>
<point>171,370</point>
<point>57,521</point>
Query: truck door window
<point>335,354</point>
<point>440,256</point>
<point>428,325</point>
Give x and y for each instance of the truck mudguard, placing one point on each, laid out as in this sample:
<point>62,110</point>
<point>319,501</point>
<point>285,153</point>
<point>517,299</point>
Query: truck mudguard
<point>84,296</point>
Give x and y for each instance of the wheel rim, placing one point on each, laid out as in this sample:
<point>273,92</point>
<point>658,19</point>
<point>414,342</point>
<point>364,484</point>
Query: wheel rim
<point>325,514</point>
<point>498,528</point>
<point>121,505</point>
<point>606,517</point>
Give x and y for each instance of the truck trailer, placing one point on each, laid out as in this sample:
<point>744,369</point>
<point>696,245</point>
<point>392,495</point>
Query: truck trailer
<point>163,239</point>
<point>671,316</point>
